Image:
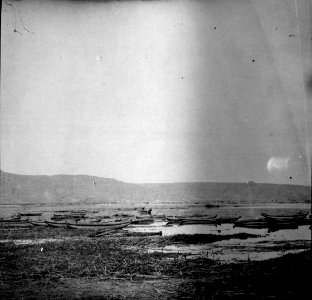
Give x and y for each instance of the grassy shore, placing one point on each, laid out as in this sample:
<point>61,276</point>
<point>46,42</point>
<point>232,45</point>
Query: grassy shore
<point>107,268</point>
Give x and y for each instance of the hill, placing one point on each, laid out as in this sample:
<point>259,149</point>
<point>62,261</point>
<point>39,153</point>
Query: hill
<point>26,189</point>
<point>22,189</point>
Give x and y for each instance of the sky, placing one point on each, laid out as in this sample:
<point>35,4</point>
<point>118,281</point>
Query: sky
<point>157,91</point>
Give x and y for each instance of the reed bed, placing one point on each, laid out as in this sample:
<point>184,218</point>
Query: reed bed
<point>39,271</point>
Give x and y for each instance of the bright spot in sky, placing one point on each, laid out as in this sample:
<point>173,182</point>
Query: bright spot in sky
<point>277,164</point>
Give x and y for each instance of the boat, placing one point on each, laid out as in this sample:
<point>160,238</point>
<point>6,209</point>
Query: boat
<point>258,223</point>
<point>198,221</point>
<point>201,218</point>
<point>99,226</point>
<point>294,218</point>
<point>143,217</point>
<point>280,226</point>
<point>143,221</point>
<point>159,217</point>
<point>56,224</point>
<point>13,219</point>
<point>38,223</point>
<point>16,224</point>
<point>191,219</point>
<point>226,220</point>
<point>144,211</point>
<point>30,214</point>
<point>173,219</point>
<point>144,233</point>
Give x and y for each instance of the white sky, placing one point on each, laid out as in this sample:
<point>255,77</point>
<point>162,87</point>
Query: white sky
<point>151,92</point>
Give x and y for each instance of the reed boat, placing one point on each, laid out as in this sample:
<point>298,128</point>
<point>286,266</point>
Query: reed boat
<point>281,226</point>
<point>202,218</point>
<point>173,219</point>
<point>16,224</point>
<point>195,222</point>
<point>160,217</point>
<point>38,223</point>
<point>179,219</point>
<point>226,220</point>
<point>31,214</point>
<point>99,226</point>
<point>144,233</point>
<point>258,223</point>
<point>143,221</point>
<point>144,217</point>
<point>14,219</point>
<point>294,218</point>
<point>56,224</point>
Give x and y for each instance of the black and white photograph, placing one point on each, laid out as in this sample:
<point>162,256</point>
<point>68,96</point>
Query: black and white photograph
<point>155,149</point>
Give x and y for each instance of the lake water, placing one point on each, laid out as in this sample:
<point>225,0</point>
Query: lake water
<point>265,246</point>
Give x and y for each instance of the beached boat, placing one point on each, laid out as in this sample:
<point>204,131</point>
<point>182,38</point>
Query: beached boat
<point>226,220</point>
<point>159,217</point>
<point>144,211</point>
<point>56,224</point>
<point>143,233</point>
<point>201,218</point>
<point>143,217</point>
<point>280,226</point>
<point>99,226</point>
<point>16,224</point>
<point>13,219</point>
<point>191,219</point>
<point>252,223</point>
<point>173,219</point>
<point>197,222</point>
<point>38,223</point>
<point>30,214</point>
<point>277,218</point>
<point>143,221</point>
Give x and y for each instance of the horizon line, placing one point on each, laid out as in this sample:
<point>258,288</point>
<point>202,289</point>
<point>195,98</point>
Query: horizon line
<point>169,182</point>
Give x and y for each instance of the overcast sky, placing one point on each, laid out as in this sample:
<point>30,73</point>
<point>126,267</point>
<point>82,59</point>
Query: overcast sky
<point>156,91</point>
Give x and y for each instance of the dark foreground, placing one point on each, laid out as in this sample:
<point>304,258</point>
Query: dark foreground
<point>120,268</point>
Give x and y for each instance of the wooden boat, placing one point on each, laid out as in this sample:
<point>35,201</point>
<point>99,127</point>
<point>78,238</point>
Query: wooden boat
<point>275,227</point>
<point>173,219</point>
<point>30,214</point>
<point>16,224</point>
<point>195,222</point>
<point>145,233</point>
<point>251,223</point>
<point>294,218</point>
<point>159,217</point>
<point>56,224</point>
<point>202,218</point>
<point>226,220</point>
<point>144,211</point>
<point>191,220</point>
<point>143,221</point>
<point>99,226</point>
<point>14,219</point>
<point>38,223</point>
<point>143,217</point>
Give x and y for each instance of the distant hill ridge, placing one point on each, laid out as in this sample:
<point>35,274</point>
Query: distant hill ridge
<point>26,189</point>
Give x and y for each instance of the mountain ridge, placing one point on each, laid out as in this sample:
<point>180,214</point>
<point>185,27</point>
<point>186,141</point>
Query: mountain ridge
<point>63,188</point>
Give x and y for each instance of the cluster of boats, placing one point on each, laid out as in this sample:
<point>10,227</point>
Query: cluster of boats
<point>80,220</point>
<point>276,222</point>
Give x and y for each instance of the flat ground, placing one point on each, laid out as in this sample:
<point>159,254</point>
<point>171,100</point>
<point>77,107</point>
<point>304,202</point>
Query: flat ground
<point>80,267</point>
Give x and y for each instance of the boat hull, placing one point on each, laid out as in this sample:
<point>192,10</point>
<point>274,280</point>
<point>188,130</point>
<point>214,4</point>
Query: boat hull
<point>56,224</point>
<point>39,224</point>
<point>98,226</point>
